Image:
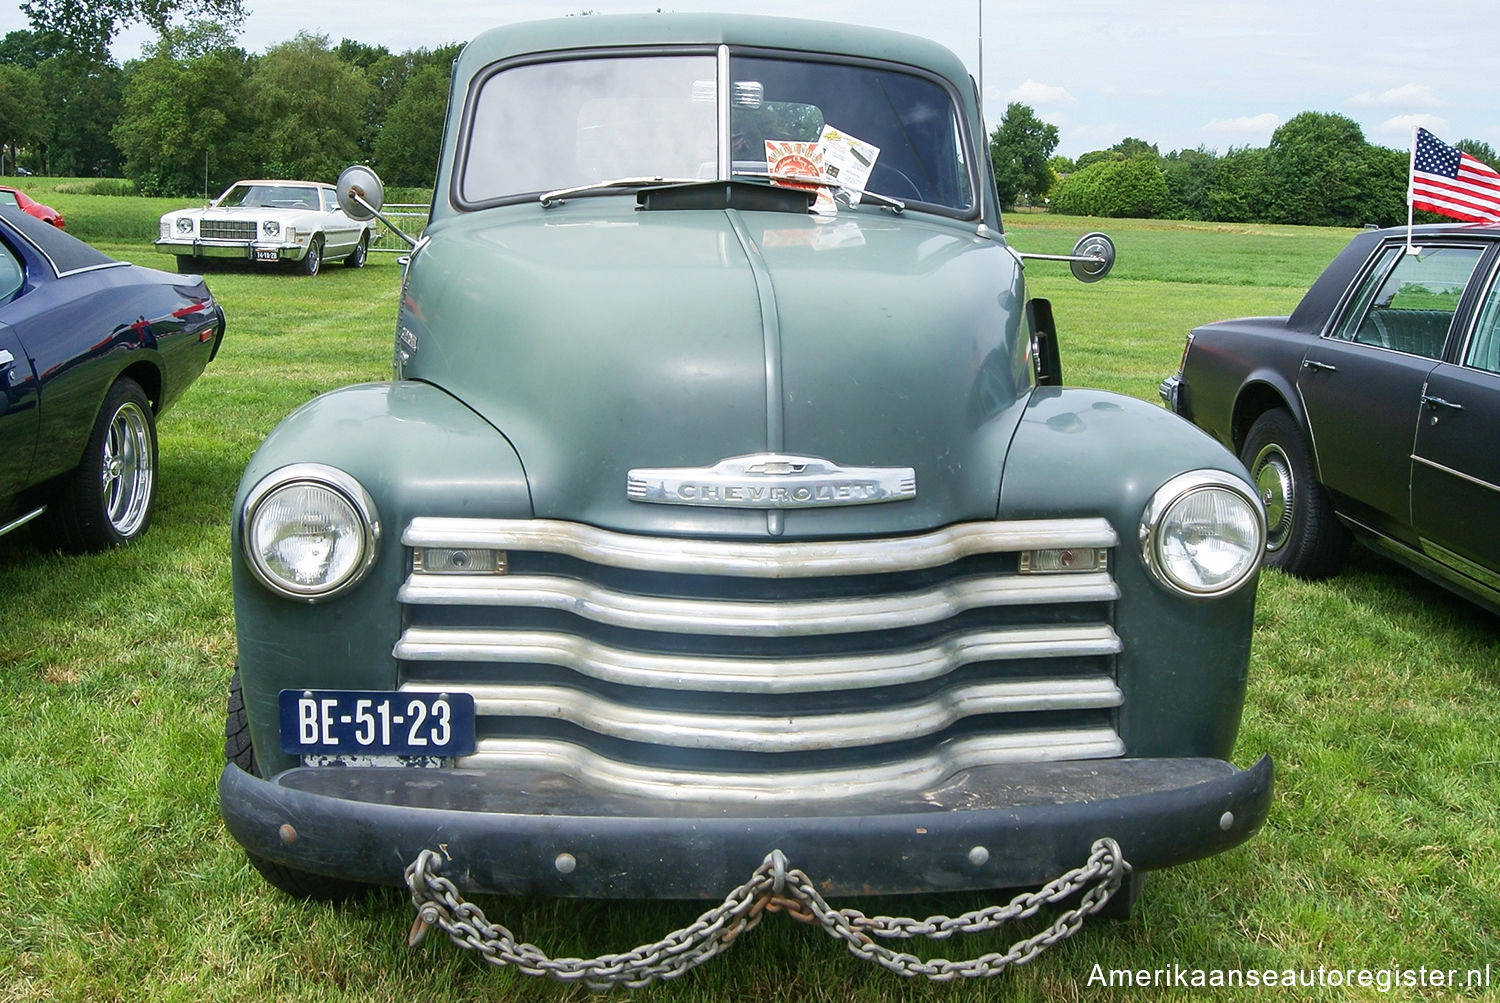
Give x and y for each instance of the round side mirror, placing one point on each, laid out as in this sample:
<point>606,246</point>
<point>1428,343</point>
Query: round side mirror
<point>1094,256</point>
<point>360,193</point>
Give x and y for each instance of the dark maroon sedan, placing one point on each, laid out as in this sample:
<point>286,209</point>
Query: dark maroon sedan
<point>1372,411</point>
<point>20,200</point>
<point>92,351</point>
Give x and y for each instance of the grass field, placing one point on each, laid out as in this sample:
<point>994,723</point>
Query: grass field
<point>1377,695</point>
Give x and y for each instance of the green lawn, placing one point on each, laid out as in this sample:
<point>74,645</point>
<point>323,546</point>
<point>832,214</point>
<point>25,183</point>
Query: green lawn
<point>1377,694</point>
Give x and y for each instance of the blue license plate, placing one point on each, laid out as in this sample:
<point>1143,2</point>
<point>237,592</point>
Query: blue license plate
<point>376,723</point>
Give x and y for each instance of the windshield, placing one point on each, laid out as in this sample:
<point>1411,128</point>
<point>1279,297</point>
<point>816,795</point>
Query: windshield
<point>540,127</point>
<point>271,197</point>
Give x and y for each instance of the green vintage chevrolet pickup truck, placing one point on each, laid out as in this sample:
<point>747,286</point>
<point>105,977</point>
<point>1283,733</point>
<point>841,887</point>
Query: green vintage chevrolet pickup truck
<point>726,515</point>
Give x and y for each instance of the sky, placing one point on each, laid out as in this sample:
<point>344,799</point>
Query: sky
<point>1177,73</point>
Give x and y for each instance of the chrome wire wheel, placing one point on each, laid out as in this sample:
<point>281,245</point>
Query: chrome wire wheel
<point>1277,486</point>
<point>128,470</point>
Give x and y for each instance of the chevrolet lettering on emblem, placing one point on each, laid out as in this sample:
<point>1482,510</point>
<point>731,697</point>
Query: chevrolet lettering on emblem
<point>771,481</point>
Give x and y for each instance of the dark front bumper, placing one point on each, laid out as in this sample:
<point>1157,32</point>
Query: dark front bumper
<point>542,833</point>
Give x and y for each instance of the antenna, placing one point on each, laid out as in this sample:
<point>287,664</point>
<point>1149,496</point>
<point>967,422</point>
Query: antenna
<point>980,5</point>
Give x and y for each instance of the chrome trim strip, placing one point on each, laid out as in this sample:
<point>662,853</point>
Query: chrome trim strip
<point>746,619</point>
<point>23,520</point>
<point>751,675</point>
<point>1468,478</point>
<point>785,732</point>
<point>904,776</point>
<point>800,559</point>
<point>721,73</point>
<point>1454,566</point>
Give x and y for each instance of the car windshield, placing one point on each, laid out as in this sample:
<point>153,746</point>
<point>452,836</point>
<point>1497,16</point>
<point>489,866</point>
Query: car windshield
<point>271,197</point>
<point>539,127</point>
<point>6,198</point>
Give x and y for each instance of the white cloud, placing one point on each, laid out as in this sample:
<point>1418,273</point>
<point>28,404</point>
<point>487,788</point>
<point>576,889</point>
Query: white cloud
<point>1402,125</point>
<point>1040,95</point>
<point>1405,96</point>
<point>1246,126</point>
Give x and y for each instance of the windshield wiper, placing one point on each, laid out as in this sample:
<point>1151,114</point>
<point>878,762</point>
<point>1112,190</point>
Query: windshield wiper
<point>894,204</point>
<point>552,198</point>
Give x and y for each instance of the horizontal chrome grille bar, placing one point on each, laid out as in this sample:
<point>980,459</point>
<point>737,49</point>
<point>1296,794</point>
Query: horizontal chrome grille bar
<point>875,778</point>
<point>774,619</point>
<point>795,559</point>
<point>752,675</point>
<point>786,732</point>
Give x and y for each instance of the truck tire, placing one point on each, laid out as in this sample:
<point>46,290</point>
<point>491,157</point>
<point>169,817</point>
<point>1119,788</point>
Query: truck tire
<point>239,752</point>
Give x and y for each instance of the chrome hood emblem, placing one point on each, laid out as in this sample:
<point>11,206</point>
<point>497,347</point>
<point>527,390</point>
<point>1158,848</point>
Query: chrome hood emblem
<point>771,481</point>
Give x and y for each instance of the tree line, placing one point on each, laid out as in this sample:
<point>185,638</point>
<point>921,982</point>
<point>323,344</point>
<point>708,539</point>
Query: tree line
<point>1318,170</point>
<point>196,112</point>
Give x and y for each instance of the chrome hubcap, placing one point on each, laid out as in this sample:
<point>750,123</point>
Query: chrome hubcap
<point>1277,489</point>
<point>128,470</point>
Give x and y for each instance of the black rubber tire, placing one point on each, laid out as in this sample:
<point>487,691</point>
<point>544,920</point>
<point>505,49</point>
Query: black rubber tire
<point>239,752</point>
<point>1303,536</point>
<point>356,258</point>
<point>108,499</point>
<point>312,261</point>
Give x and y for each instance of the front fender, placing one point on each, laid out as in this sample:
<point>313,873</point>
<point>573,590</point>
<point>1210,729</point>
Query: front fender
<point>416,450</point>
<point>1183,665</point>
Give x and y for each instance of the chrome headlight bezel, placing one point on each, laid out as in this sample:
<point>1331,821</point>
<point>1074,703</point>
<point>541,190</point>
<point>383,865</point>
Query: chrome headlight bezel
<point>346,491</point>
<point>1156,531</point>
<point>271,228</point>
<point>184,224</point>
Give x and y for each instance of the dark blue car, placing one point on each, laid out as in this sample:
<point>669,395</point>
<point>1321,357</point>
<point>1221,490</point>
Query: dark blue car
<point>92,351</point>
<point>1372,411</point>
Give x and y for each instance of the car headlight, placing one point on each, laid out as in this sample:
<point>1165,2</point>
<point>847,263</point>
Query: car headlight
<point>1203,533</point>
<point>184,224</point>
<point>271,228</point>
<point>310,531</point>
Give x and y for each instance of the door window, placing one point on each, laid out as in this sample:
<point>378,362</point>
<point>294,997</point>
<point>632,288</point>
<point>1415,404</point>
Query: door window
<point>1407,301</point>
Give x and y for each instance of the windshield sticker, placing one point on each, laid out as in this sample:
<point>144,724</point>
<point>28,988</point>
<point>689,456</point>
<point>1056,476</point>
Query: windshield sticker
<point>847,161</point>
<point>795,164</point>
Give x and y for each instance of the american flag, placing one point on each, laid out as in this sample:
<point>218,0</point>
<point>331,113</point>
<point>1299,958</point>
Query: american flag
<point>1448,181</point>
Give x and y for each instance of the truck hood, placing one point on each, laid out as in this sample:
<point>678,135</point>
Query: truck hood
<point>600,340</point>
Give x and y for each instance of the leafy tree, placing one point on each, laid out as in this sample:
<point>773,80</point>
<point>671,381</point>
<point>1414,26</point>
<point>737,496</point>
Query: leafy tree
<point>1130,147</point>
<point>90,25</point>
<point>1061,165</point>
<point>1316,168</point>
<point>1479,150</point>
<point>1094,157</point>
<point>1190,176</point>
<point>406,153</point>
<point>1133,188</point>
<point>1019,149</point>
<point>1238,192</point>
<point>309,105</point>
<point>1383,185</point>
<point>83,106</point>
<point>185,125</point>
<point>29,48</point>
<point>22,124</point>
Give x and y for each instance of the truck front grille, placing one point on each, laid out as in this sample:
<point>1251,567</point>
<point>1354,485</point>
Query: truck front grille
<point>694,669</point>
<point>227,229</point>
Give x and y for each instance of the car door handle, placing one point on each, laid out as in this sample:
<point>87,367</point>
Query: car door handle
<point>1321,366</point>
<point>1436,402</point>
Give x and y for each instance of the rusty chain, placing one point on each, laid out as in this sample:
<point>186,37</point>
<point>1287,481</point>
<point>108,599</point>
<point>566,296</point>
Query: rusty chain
<point>772,887</point>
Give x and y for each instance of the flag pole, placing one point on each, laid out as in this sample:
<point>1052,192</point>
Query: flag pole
<point>1411,195</point>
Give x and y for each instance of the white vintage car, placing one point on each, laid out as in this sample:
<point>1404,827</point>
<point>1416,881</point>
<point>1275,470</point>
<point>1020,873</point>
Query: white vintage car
<point>267,221</point>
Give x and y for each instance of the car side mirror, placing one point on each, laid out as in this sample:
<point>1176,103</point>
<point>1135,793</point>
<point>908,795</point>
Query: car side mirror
<point>1092,258</point>
<point>361,194</point>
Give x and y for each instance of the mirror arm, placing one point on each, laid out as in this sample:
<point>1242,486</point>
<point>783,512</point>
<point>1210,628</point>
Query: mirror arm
<point>359,197</point>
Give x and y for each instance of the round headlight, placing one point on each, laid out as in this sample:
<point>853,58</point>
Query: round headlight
<point>1203,534</point>
<point>270,228</point>
<point>310,531</point>
<point>184,224</point>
